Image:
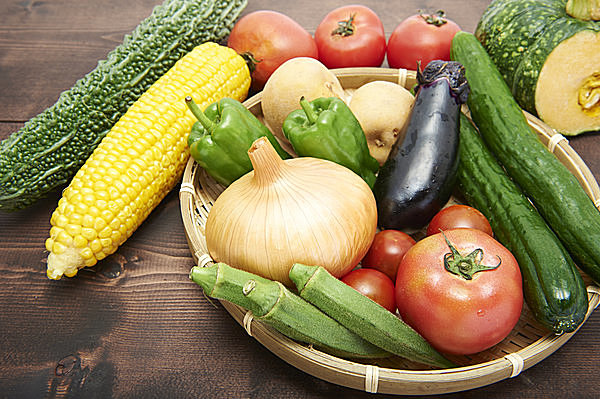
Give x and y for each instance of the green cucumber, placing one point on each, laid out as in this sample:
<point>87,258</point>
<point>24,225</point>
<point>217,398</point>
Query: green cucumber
<point>363,316</point>
<point>272,303</point>
<point>553,287</point>
<point>553,189</point>
<point>50,148</point>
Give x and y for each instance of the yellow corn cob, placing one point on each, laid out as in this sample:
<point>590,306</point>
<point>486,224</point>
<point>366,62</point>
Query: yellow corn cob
<point>139,161</point>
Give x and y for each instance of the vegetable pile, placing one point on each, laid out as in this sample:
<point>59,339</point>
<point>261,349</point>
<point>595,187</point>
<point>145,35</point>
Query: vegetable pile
<point>337,224</point>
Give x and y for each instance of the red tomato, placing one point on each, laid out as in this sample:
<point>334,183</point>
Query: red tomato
<point>351,36</point>
<point>387,250</point>
<point>421,38</point>
<point>373,284</point>
<point>459,216</point>
<point>271,38</point>
<point>457,315</point>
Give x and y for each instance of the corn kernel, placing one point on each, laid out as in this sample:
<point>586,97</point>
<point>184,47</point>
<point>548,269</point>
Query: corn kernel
<point>86,253</point>
<point>79,241</point>
<point>105,232</point>
<point>90,262</point>
<point>95,245</point>
<point>48,244</point>
<point>88,221</point>
<point>61,220</point>
<point>73,229</point>
<point>58,248</point>
<point>88,233</point>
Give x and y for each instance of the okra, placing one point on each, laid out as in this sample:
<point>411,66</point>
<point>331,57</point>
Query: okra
<point>363,316</point>
<point>272,303</point>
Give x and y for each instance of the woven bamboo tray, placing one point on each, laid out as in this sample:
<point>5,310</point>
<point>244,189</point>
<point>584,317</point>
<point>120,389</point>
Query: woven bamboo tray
<point>526,345</point>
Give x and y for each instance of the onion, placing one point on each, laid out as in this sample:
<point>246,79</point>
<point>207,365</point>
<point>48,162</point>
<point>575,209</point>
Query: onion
<point>301,210</point>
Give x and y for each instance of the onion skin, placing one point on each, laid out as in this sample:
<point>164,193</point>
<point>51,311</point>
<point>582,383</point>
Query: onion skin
<point>304,210</point>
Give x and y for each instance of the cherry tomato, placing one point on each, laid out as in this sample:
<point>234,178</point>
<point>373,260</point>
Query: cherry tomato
<point>387,250</point>
<point>351,36</point>
<point>421,38</point>
<point>458,216</point>
<point>458,315</point>
<point>373,284</point>
<point>270,38</point>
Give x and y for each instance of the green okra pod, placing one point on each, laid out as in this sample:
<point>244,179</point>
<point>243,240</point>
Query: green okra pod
<point>362,315</point>
<point>272,303</point>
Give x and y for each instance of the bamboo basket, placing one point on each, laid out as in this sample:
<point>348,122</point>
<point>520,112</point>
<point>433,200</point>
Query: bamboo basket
<point>525,346</point>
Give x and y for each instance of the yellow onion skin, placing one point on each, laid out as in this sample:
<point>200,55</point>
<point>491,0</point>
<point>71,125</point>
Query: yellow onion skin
<point>305,210</point>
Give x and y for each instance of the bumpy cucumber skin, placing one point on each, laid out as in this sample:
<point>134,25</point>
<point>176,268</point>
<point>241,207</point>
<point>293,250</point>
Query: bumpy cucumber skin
<point>519,35</point>
<point>552,188</point>
<point>363,316</point>
<point>273,304</point>
<point>553,288</point>
<point>50,148</point>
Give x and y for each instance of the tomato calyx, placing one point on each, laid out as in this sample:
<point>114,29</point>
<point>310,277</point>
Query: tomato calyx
<point>251,61</point>
<point>465,266</point>
<point>437,19</point>
<point>345,27</point>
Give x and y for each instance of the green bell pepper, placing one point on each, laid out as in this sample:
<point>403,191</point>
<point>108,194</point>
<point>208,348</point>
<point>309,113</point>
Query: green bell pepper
<point>326,128</point>
<point>220,139</point>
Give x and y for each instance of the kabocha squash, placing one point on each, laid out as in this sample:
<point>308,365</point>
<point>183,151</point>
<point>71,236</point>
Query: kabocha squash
<point>140,160</point>
<point>548,51</point>
<point>49,149</point>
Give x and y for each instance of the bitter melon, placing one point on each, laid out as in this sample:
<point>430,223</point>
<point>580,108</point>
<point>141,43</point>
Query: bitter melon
<point>50,148</point>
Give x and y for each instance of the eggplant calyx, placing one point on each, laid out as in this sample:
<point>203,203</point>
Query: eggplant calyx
<point>452,71</point>
<point>465,266</point>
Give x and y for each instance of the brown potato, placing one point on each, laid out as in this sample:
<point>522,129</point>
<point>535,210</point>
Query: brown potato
<point>383,109</point>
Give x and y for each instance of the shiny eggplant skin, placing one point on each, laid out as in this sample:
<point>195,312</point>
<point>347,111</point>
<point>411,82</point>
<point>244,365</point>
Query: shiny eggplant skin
<point>419,175</point>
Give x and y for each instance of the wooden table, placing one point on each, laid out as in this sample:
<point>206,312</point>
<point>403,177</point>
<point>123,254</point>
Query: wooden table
<point>134,326</point>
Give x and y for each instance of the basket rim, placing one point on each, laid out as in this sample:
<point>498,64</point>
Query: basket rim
<point>353,373</point>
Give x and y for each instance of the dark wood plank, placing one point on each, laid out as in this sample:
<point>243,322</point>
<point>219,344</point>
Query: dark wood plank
<point>134,325</point>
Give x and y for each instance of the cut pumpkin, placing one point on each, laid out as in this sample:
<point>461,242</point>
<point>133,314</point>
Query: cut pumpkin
<point>549,58</point>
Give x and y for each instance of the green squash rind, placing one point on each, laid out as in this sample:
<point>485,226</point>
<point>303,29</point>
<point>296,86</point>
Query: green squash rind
<point>519,35</point>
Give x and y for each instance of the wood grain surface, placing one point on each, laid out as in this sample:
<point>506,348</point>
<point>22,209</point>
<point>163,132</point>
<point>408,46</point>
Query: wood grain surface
<point>134,326</point>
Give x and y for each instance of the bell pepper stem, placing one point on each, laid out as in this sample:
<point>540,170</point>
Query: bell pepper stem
<point>311,115</point>
<point>202,118</point>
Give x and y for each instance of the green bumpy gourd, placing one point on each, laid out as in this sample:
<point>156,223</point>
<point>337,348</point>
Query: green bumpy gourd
<point>326,128</point>
<point>51,147</point>
<point>219,141</point>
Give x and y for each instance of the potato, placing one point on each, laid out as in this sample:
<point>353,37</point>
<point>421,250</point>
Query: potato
<point>383,109</point>
<point>297,77</point>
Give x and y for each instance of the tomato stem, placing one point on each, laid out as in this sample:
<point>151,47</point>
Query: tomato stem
<point>437,19</point>
<point>251,61</point>
<point>465,266</point>
<point>345,27</point>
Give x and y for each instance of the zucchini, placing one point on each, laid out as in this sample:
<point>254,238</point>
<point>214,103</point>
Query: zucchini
<point>51,147</point>
<point>363,316</point>
<point>552,188</point>
<point>548,51</point>
<point>272,303</point>
<point>553,287</point>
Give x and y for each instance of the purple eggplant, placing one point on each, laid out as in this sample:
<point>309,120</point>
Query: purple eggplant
<point>418,177</point>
